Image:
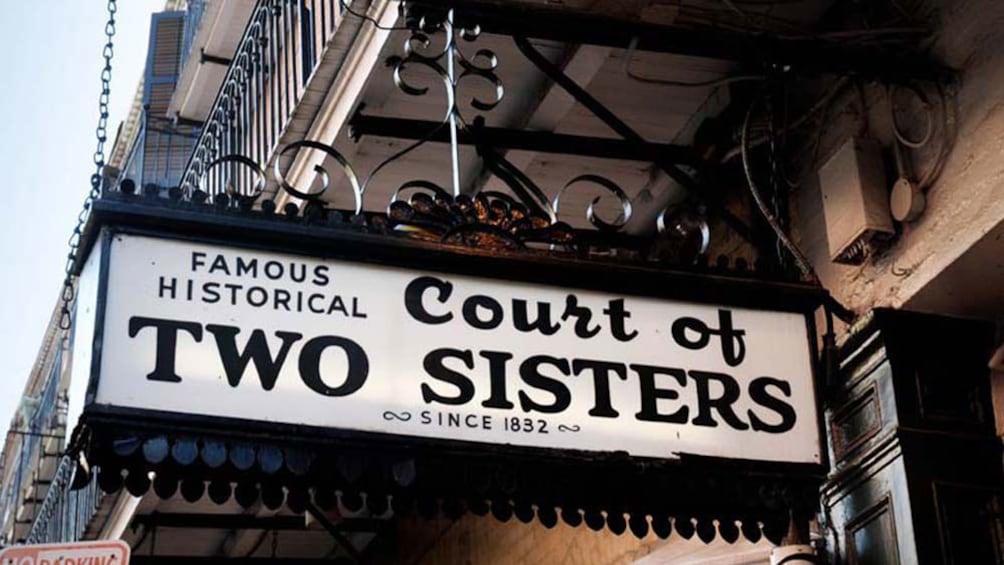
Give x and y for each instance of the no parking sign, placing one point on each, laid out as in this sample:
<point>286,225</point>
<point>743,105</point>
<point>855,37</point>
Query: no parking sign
<point>78,553</point>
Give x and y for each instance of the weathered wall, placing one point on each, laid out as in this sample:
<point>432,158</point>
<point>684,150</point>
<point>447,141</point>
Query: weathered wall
<point>965,203</point>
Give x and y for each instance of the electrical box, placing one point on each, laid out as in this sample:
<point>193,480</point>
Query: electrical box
<point>855,200</point>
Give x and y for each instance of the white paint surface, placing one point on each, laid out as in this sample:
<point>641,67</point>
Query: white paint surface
<point>396,344</point>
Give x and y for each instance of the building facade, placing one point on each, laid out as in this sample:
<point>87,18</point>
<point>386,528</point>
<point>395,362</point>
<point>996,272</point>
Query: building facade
<point>811,190</point>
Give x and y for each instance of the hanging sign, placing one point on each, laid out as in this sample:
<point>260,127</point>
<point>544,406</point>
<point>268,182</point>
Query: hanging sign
<point>76,553</point>
<point>208,330</point>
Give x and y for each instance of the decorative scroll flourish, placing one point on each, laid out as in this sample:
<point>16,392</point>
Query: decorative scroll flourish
<point>350,173</point>
<point>259,186</point>
<point>433,46</point>
<point>417,49</point>
<point>491,219</point>
<point>402,416</point>
<point>485,71</point>
<point>238,163</point>
<point>609,185</point>
<point>518,182</point>
<point>690,228</point>
<point>442,62</point>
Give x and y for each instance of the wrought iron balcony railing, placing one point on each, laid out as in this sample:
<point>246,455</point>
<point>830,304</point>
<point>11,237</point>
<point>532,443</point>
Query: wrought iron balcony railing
<point>160,151</point>
<point>65,513</point>
<point>271,67</point>
<point>281,49</point>
<point>255,121</point>
<point>39,428</point>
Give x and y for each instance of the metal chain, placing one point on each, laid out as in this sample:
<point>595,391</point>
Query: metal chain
<point>101,135</point>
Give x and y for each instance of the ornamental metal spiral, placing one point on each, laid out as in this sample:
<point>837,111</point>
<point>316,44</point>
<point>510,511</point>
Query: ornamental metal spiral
<point>230,173</point>
<point>608,185</point>
<point>492,220</point>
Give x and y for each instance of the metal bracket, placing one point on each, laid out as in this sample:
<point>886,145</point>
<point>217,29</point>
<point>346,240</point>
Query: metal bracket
<point>214,59</point>
<point>362,125</point>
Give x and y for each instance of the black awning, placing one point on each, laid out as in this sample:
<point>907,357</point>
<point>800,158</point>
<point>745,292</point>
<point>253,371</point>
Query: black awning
<point>693,496</point>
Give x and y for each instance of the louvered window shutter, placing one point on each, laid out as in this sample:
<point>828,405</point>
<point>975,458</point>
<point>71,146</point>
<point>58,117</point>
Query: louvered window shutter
<point>166,147</point>
<point>163,61</point>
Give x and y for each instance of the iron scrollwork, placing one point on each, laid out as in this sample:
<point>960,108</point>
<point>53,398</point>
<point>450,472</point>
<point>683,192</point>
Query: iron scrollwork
<point>315,197</point>
<point>484,218</point>
<point>492,220</point>
<point>609,185</point>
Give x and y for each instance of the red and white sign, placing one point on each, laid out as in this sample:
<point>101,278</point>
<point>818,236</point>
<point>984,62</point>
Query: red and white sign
<point>78,553</point>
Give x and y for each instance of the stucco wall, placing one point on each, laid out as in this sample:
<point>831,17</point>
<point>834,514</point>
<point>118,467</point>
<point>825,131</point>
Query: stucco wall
<point>965,203</point>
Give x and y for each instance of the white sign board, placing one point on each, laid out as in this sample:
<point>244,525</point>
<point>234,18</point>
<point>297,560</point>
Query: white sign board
<point>200,329</point>
<point>114,552</point>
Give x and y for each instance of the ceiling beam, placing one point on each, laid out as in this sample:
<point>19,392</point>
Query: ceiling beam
<point>243,541</point>
<point>662,192</point>
<point>713,200</point>
<point>362,125</point>
<point>582,65</point>
<point>538,107</point>
<point>543,111</point>
<point>805,55</point>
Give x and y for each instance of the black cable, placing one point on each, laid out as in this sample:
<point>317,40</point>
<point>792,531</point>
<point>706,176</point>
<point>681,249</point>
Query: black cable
<point>892,89</point>
<point>821,104</point>
<point>804,266</point>
<point>949,130</point>
<point>720,81</point>
<point>348,9</point>
<point>257,544</point>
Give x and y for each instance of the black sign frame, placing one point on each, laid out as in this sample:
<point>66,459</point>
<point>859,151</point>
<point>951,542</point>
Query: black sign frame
<point>776,490</point>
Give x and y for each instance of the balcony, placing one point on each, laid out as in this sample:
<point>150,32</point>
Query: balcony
<point>33,447</point>
<point>290,114</point>
<point>161,150</point>
<point>65,514</point>
<point>267,83</point>
<point>336,114</point>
